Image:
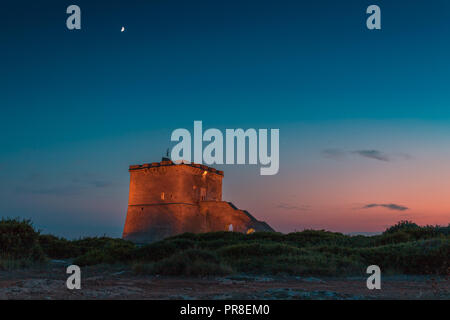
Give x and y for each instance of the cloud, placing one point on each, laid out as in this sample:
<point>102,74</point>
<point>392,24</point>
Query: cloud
<point>390,206</point>
<point>337,154</point>
<point>373,154</point>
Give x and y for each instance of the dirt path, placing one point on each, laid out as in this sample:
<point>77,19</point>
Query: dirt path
<point>119,283</point>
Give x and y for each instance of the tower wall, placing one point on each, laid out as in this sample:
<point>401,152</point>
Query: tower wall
<point>146,224</point>
<point>173,184</point>
<point>219,215</point>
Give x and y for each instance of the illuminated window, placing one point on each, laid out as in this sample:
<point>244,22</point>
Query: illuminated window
<point>162,195</point>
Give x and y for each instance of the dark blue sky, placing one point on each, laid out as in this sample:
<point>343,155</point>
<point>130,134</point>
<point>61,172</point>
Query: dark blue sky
<point>77,107</point>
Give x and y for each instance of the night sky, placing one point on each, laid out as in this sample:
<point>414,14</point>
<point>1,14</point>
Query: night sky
<point>364,116</point>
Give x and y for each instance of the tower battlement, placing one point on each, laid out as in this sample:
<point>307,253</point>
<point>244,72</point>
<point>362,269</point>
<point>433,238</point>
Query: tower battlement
<point>166,163</point>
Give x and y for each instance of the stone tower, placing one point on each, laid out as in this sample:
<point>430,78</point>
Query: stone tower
<point>166,199</point>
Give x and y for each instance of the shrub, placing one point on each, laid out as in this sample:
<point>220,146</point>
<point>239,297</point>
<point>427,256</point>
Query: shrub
<point>224,235</point>
<point>417,257</point>
<point>316,237</point>
<point>86,244</point>
<point>394,237</point>
<point>258,249</point>
<point>183,244</point>
<point>403,225</point>
<point>443,230</point>
<point>58,248</point>
<point>215,244</point>
<point>192,262</point>
<point>112,252</point>
<point>405,231</point>
<point>267,236</point>
<point>92,257</point>
<point>157,250</point>
<point>19,244</point>
<point>309,262</point>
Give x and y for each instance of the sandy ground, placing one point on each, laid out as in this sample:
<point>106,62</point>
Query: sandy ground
<point>118,282</point>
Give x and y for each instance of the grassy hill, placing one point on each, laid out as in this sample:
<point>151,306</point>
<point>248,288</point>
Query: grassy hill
<point>404,248</point>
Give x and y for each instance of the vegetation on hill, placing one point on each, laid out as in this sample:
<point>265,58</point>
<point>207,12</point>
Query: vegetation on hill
<point>404,248</point>
<point>19,244</point>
